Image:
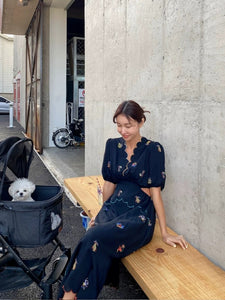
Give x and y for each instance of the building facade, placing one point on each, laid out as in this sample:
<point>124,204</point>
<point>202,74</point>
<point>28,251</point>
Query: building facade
<point>42,31</point>
<point>6,66</point>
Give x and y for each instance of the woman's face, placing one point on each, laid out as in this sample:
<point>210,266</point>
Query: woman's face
<point>129,129</point>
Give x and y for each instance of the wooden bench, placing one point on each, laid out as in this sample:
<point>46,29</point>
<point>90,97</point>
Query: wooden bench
<point>163,272</point>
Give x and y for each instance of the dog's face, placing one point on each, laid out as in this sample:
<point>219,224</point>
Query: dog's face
<point>21,189</point>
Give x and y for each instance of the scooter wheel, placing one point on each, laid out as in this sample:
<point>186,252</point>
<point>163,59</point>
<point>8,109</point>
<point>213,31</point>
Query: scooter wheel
<point>61,138</point>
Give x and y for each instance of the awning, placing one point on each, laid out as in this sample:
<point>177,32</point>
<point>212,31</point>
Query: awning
<point>16,15</point>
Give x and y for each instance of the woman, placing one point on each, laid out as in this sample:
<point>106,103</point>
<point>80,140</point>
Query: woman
<point>134,174</point>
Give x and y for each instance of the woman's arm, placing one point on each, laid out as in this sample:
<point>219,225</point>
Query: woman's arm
<point>159,207</point>
<point>108,189</point>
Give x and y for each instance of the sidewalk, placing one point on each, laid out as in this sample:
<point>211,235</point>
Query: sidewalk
<point>64,163</point>
<point>50,169</point>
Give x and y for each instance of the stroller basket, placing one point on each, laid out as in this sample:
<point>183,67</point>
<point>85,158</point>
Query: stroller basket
<point>32,224</point>
<point>27,224</point>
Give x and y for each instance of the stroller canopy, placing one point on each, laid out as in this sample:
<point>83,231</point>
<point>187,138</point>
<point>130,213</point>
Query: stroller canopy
<point>15,154</point>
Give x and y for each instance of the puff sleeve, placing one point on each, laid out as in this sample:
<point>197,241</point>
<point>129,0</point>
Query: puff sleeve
<point>157,175</point>
<point>108,162</point>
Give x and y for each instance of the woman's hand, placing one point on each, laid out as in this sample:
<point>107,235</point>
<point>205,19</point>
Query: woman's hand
<point>91,223</point>
<point>173,240</point>
<point>69,296</point>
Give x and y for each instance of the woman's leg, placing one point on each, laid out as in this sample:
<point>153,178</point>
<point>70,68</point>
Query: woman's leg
<point>88,268</point>
<point>87,271</point>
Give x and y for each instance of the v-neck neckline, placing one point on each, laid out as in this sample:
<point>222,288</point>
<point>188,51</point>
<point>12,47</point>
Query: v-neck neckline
<point>134,151</point>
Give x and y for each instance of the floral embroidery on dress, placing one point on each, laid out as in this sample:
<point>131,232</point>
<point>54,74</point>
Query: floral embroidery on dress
<point>142,173</point>
<point>94,246</point>
<point>120,248</point>
<point>149,180</point>
<point>126,168</point>
<point>120,145</point>
<point>147,143</point>
<point>85,284</point>
<point>119,225</point>
<point>119,168</point>
<point>75,264</point>
<point>159,148</point>
<point>109,164</point>
<point>149,222</point>
<point>119,193</point>
<point>163,175</point>
<point>134,164</point>
<point>137,199</point>
<point>143,218</point>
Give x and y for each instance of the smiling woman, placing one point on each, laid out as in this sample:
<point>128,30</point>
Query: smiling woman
<point>134,174</point>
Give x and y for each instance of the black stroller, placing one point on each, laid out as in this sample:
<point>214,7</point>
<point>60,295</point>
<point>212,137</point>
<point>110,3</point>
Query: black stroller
<point>28,225</point>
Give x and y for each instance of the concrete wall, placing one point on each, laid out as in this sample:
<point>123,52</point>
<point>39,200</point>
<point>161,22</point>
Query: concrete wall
<point>169,56</point>
<point>45,76</point>
<point>54,43</point>
<point>57,69</point>
<point>19,67</point>
<point>54,68</point>
<point>53,71</point>
<point>6,66</point>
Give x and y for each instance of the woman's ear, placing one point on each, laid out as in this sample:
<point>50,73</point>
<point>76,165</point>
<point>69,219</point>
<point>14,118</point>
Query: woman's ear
<point>142,122</point>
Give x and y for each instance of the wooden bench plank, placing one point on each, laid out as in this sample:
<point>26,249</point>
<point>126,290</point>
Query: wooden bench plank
<point>84,190</point>
<point>172,274</point>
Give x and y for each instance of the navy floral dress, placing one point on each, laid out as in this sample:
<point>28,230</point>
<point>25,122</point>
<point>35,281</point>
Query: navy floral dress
<point>126,220</point>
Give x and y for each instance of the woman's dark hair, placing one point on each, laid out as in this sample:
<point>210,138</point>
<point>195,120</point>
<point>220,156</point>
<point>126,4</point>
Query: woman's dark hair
<point>130,109</point>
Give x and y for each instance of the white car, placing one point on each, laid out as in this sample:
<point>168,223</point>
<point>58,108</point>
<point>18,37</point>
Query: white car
<point>4,105</point>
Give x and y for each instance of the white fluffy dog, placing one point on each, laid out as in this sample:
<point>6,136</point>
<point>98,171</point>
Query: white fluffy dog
<point>21,190</point>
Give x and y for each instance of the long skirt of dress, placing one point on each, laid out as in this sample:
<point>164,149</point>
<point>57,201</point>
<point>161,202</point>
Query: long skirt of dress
<point>124,224</point>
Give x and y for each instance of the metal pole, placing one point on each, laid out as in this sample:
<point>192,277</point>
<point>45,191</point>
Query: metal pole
<point>10,115</point>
